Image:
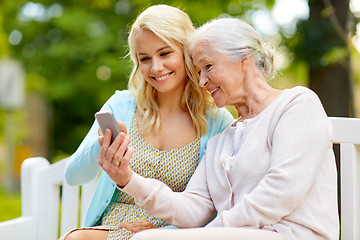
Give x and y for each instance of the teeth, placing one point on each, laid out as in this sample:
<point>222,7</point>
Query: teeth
<point>162,77</point>
<point>214,90</point>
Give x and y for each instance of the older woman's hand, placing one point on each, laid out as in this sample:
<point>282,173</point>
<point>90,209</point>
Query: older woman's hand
<point>137,226</point>
<point>115,157</point>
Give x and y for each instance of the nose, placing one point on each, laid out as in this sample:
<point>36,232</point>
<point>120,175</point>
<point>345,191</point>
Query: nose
<point>203,80</point>
<point>157,65</point>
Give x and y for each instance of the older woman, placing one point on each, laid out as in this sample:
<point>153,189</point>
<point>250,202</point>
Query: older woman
<point>270,175</point>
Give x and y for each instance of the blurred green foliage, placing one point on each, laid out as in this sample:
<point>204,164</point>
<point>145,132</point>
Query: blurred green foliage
<point>10,205</point>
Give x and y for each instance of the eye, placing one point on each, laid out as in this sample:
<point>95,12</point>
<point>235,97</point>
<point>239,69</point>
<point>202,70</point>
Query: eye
<point>165,54</point>
<point>208,66</point>
<point>144,59</point>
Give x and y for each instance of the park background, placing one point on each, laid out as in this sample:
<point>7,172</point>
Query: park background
<point>61,60</point>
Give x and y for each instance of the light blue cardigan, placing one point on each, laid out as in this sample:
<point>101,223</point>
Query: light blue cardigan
<point>82,166</point>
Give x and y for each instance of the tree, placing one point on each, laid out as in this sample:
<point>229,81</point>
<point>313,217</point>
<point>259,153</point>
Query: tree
<point>323,44</point>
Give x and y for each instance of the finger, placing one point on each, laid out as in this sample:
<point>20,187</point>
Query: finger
<point>125,225</point>
<point>124,164</point>
<point>105,147</point>
<point>122,126</point>
<point>129,153</point>
<point>107,137</point>
<point>131,227</point>
<point>123,146</point>
<point>134,229</point>
<point>100,133</point>
<point>113,154</point>
<point>125,160</point>
<point>101,140</point>
<point>137,225</point>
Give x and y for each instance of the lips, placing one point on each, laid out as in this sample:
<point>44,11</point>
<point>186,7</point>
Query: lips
<point>214,90</point>
<point>162,77</point>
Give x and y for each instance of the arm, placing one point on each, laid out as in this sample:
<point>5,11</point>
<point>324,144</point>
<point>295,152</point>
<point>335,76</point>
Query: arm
<point>300,142</point>
<point>82,166</point>
<point>191,208</point>
<point>196,195</point>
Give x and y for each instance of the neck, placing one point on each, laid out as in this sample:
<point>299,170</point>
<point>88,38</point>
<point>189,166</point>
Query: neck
<point>258,94</point>
<point>169,102</point>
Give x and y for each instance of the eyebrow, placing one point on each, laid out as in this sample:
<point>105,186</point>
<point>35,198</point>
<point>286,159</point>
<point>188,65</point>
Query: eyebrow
<point>160,49</point>
<point>203,59</point>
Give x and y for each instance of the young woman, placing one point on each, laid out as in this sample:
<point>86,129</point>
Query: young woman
<point>270,175</point>
<point>168,117</point>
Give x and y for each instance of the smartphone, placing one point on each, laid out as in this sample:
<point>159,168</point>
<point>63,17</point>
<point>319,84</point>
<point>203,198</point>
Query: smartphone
<point>107,120</point>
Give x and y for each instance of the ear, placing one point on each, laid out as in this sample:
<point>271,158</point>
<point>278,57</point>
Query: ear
<point>248,68</point>
<point>245,63</point>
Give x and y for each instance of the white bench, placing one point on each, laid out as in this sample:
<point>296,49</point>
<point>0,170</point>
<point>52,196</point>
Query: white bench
<point>347,134</point>
<point>46,198</point>
<point>41,184</point>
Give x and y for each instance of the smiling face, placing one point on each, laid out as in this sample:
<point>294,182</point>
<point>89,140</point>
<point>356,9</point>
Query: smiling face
<point>219,74</point>
<point>161,65</point>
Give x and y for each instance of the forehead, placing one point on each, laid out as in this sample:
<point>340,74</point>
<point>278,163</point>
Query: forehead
<point>146,39</point>
<point>147,42</point>
<point>204,52</point>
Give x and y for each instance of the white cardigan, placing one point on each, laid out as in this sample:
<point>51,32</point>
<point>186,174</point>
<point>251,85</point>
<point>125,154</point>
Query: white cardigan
<point>282,178</point>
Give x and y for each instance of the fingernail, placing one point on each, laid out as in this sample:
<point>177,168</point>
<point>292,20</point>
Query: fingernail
<point>119,226</point>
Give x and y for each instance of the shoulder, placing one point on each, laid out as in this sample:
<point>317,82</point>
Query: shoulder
<point>219,115</point>
<point>122,104</point>
<point>300,106</point>
<point>123,96</point>
<point>121,100</point>
<point>298,98</point>
<point>301,93</point>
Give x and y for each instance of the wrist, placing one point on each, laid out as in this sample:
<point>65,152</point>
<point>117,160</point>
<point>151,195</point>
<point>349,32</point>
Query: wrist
<point>122,184</point>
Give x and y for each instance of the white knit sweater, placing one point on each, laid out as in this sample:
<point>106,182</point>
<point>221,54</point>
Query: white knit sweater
<point>282,177</point>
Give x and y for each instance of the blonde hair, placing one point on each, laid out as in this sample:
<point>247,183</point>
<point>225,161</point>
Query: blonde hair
<point>173,26</point>
<point>236,39</point>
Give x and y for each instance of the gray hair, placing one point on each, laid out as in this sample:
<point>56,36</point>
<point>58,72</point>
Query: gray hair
<point>237,40</point>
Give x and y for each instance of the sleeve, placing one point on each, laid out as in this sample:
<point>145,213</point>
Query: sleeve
<point>82,166</point>
<point>300,142</point>
<point>191,208</point>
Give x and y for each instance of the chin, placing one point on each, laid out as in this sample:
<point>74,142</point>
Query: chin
<point>219,105</point>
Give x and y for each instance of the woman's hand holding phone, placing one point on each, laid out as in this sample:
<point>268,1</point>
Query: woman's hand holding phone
<point>107,120</point>
<point>115,152</point>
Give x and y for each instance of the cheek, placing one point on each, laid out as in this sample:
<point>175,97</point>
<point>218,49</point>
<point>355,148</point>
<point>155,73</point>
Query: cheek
<point>216,78</point>
<point>178,63</point>
<point>144,70</point>
<point>183,69</point>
